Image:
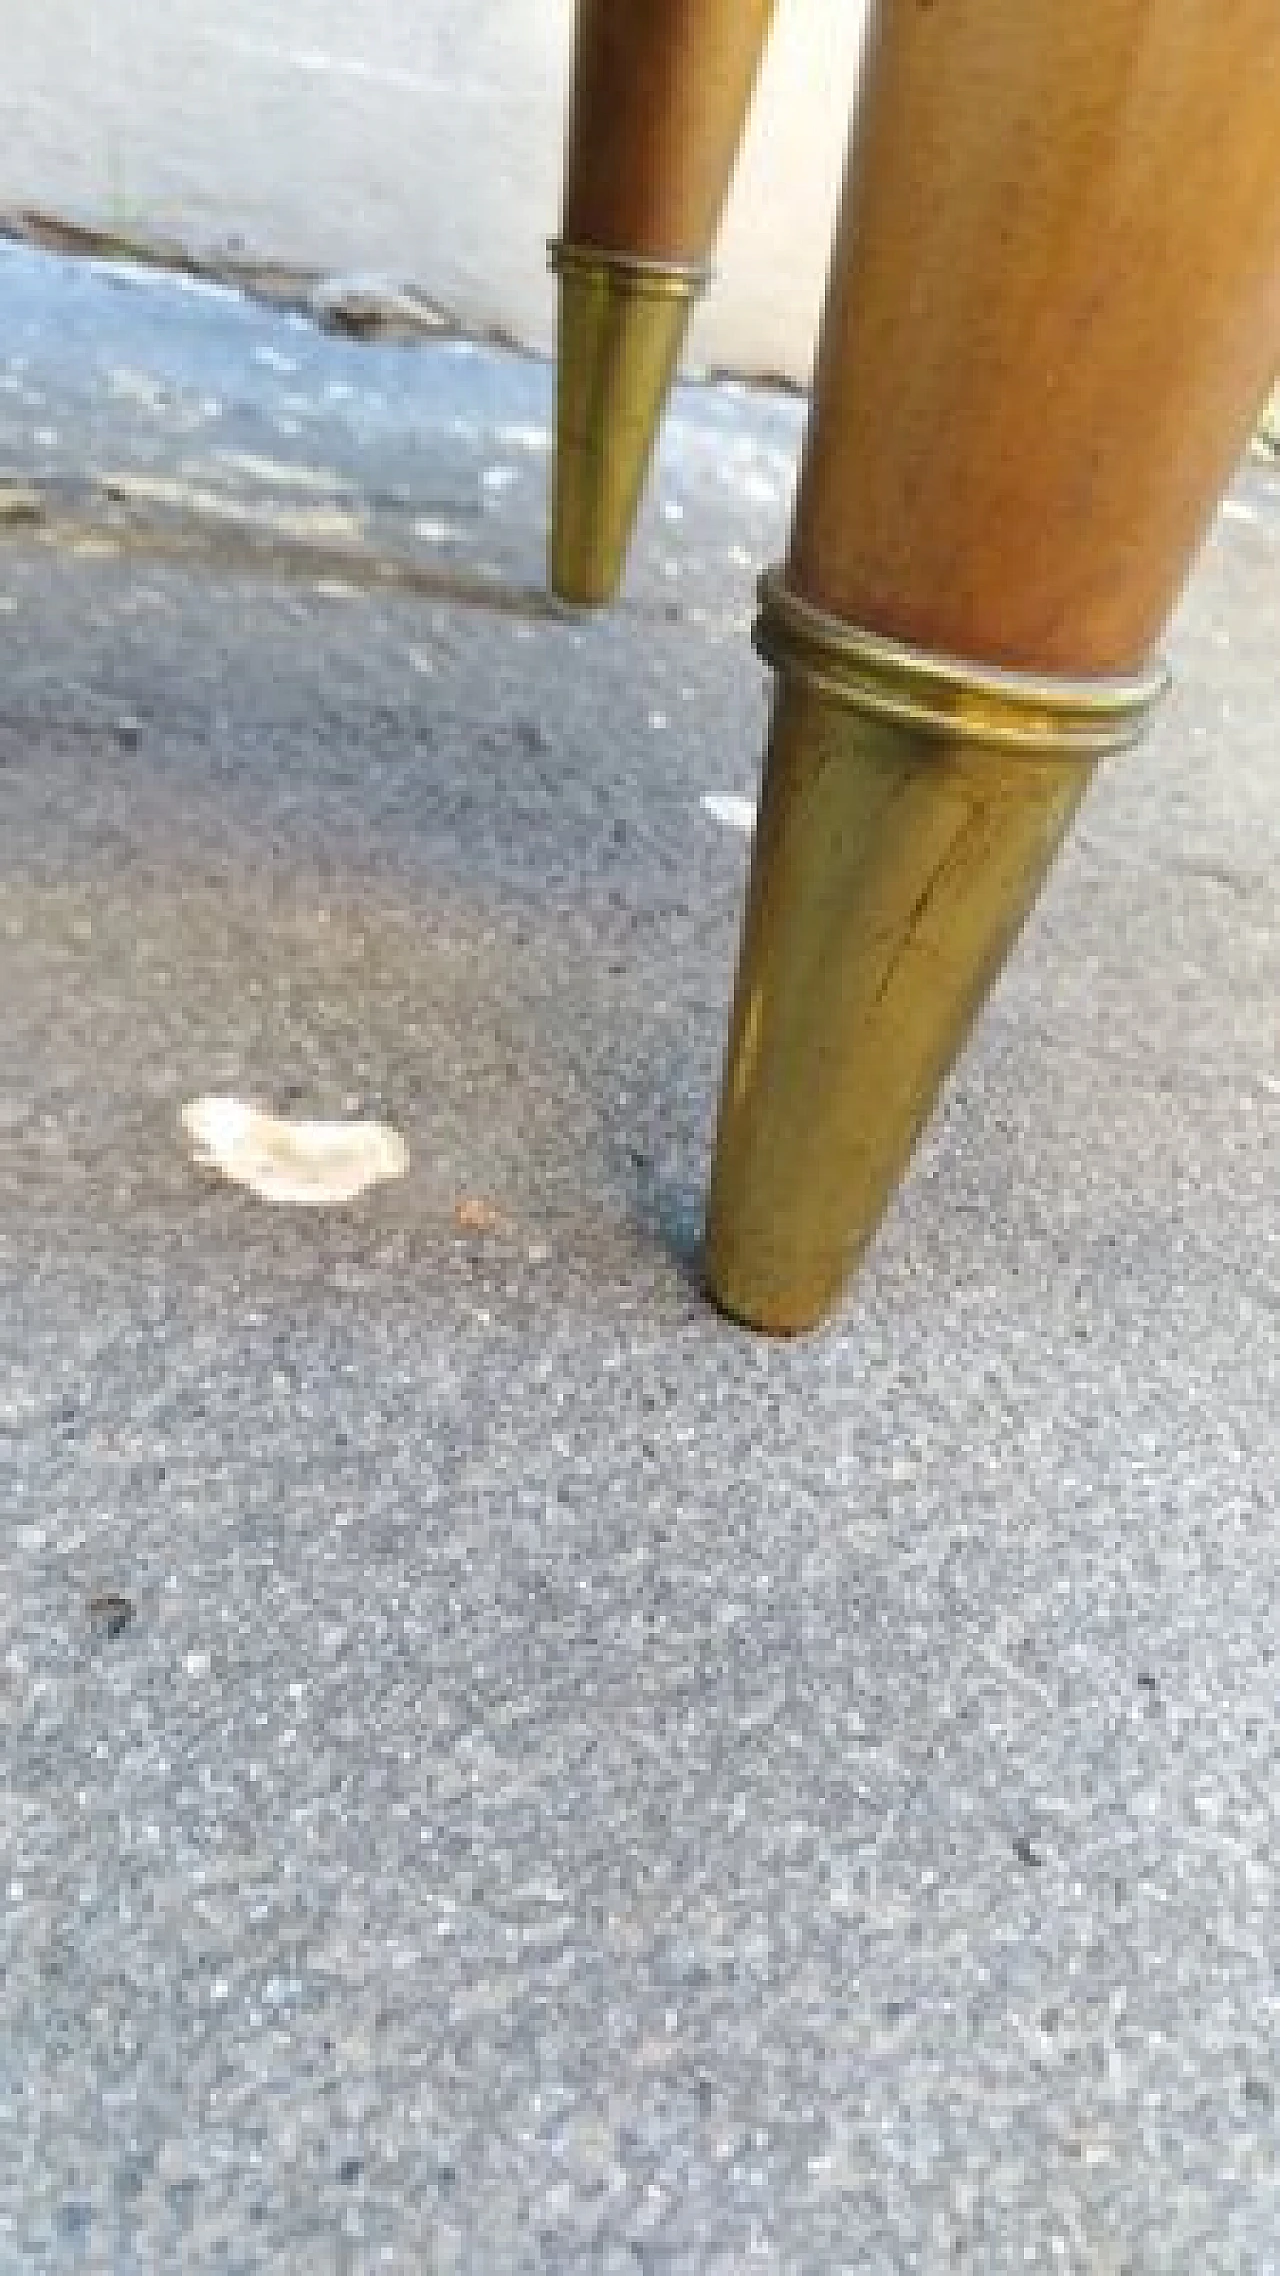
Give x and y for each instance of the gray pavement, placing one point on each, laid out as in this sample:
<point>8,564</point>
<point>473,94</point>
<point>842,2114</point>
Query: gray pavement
<point>502,1770</point>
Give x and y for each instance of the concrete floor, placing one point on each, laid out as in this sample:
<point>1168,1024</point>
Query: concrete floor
<point>501,1769</point>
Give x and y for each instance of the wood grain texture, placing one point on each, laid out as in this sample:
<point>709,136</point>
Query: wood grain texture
<point>1053,317</point>
<point>660,97</point>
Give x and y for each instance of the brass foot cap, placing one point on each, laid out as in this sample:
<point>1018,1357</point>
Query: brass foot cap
<point>621,326</point>
<point>912,808</point>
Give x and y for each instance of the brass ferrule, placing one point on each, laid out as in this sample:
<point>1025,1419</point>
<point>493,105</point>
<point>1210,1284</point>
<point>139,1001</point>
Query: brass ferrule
<point>942,696</point>
<point>912,807</point>
<point>634,272</point>
<point>621,325</point>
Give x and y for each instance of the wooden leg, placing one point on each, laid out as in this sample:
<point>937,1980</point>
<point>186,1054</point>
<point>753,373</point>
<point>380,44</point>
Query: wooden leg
<point>1053,315</point>
<point>660,97</point>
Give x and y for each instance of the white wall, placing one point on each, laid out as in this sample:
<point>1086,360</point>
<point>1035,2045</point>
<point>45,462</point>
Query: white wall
<point>416,139</point>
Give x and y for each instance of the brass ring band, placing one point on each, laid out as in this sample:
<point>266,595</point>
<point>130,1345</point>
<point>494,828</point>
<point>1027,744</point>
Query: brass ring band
<point>1031,712</point>
<point>666,280</point>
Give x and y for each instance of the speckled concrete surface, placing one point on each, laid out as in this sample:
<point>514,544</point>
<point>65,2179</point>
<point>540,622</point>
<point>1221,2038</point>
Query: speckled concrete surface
<point>501,1770</point>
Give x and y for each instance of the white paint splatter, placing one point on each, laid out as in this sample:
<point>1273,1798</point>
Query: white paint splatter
<point>303,1164</point>
<point>284,472</point>
<point>201,288</point>
<point>305,524</point>
<point>136,387</point>
<point>435,532</point>
<point>270,359</point>
<point>758,490</point>
<point>496,479</point>
<point>517,437</point>
<point>735,813</point>
<point>1235,510</point>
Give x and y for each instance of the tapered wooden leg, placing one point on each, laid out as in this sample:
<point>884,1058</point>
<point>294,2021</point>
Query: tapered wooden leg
<point>1053,314</point>
<point>660,97</point>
